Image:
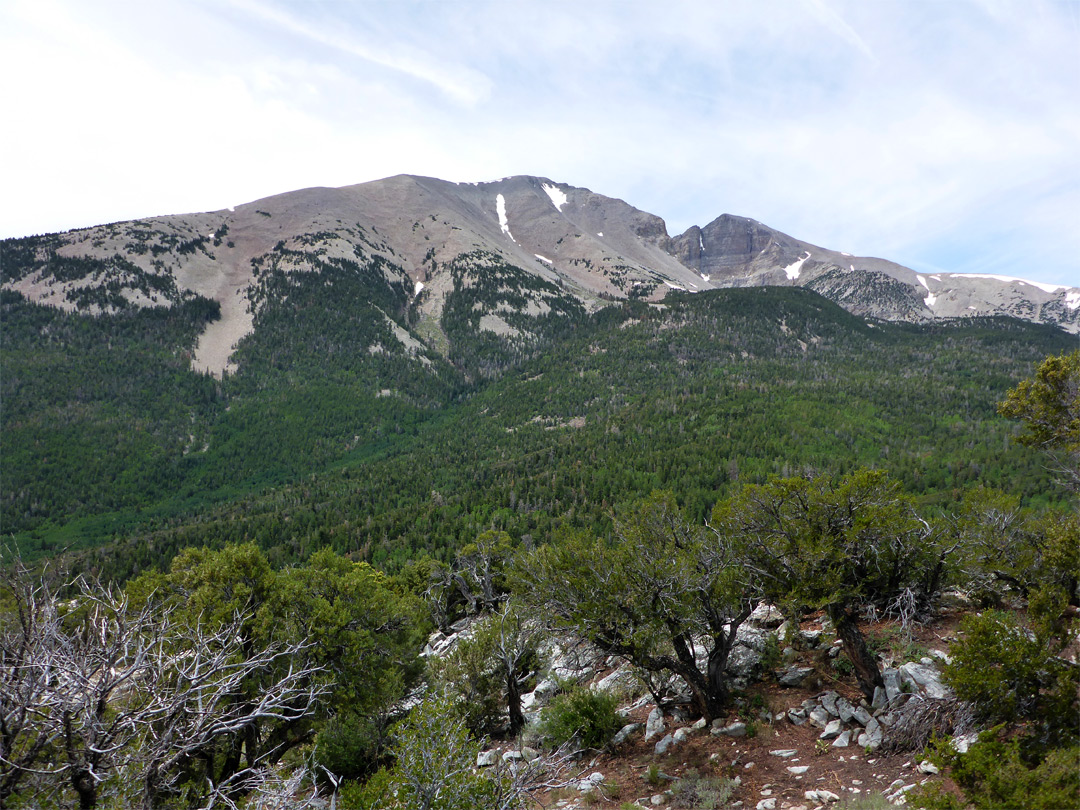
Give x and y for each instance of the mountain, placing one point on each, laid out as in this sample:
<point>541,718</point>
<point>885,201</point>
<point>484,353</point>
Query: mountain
<point>403,364</point>
<point>430,234</point>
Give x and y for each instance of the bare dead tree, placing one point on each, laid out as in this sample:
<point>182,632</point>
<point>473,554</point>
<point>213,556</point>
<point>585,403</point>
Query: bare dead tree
<point>26,628</point>
<point>99,696</point>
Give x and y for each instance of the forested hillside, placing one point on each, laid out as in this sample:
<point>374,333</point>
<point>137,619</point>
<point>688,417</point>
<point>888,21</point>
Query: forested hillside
<point>342,429</point>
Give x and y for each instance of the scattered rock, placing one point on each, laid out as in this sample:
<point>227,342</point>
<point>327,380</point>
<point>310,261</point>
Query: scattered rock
<point>832,730</point>
<point>819,717</point>
<point>843,740</point>
<point>658,799</point>
<point>654,726</point>
<point>942,656</point>
<point>784,753</point>
<point>546,688</point>
<point>964,741</point>
<point>682,734</point>
<point>880,700</point>
<point>664,744</point>
<point>590,782</point>
<point>892,684</point>
<point>844,709</point>
<point>736,729</point>
<point>926,766</point>
<point>511,756</point>
<point>485,759</point>
<point>766,616</point>
<point>767,804</point>
<point>810,638</point>
<point>872,737</point>
<point>794,676</point>
<point>828,703</point>
<point>618,681</point>
<point>924,677</point>
<point>862,716</point>
<point>624,734</point>
<point>798,770</point>
<point>821,796</point>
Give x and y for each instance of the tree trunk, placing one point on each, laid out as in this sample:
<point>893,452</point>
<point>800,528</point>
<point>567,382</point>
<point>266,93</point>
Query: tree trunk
<point>866,667</point>
<point>86,787</point>
<point>717,677</point>
<point>513,697</point>
<point>709,695</point>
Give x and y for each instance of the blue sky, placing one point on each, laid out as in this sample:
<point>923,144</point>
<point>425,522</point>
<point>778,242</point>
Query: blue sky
<point>943,135</point>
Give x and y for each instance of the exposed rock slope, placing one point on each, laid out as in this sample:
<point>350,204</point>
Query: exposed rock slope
<point>428,233</point>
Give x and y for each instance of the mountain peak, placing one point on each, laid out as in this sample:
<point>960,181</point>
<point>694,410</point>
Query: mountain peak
<point>596,248</point>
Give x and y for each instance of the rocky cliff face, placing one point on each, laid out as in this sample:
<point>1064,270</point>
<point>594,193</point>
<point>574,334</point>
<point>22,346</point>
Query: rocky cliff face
<point>590,247</point>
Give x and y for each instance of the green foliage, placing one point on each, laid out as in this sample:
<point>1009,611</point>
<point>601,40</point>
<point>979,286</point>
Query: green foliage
<point>1012,673</point>
<point>697,792</point>
<point>529,313</point>
<point>352,745</point>
<point>435,768</point>
<point>1006,547</point>
<point>660,587</point>
<point>584,716</point>
<point>772,655</point>
<point>838,546</point>
<point>870,801</point>
<point>825,543</point>
<point>363,636</point>
<point>324,439</point>
<point>896,642</point>
<point>1049,404</point>
<point>1008,775</point>
<point>471,675</point>
<point>374,794</point>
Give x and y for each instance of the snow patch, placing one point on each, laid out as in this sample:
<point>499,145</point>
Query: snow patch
<point>558,198</point>
<point>1072,299</point>
<point>675,286</point>
<point>705,277</point>
<point>701,242</point>
<point>418,289</point>
<point>936,278</point>
<point>930,300</point>
<point>230,208</point>
<point>504,223</point>
<point>793,269</point>
<point>543,258</point>
<point>845,254</point>
<point>600,233</point>
<point>1050,288</point>
<point>923,282</point>
<point>971,307</point>
<point>852,267</point>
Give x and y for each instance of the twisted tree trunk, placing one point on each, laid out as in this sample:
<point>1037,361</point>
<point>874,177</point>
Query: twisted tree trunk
<point>867,671</point>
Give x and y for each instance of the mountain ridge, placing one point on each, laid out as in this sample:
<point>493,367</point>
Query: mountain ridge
<point>597,249</point>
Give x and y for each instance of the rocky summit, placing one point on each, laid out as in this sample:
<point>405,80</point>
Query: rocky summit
<point>431,237</point>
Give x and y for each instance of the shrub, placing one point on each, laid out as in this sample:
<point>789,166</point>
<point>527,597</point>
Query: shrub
<point>583,715</point>
<point>995,773</point>
<point>698,792</point>
<point>1014,674</point>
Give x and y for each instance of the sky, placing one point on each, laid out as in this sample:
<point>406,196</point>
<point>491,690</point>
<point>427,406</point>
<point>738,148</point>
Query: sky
<point>940,134</point>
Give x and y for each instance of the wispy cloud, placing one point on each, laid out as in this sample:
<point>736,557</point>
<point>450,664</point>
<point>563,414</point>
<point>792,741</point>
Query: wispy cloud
<point>935,134</point>
<point>835,23</point>
<point>462,84</point>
